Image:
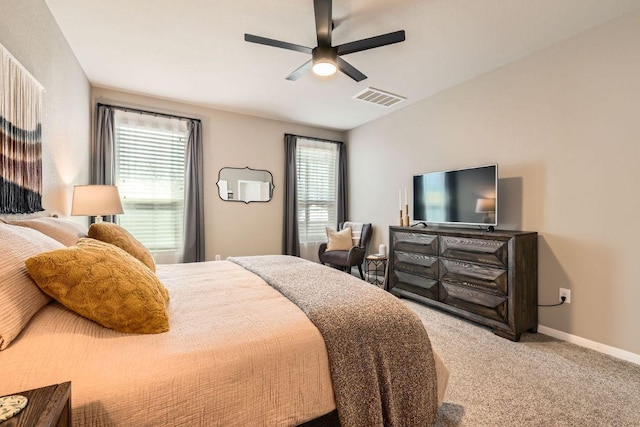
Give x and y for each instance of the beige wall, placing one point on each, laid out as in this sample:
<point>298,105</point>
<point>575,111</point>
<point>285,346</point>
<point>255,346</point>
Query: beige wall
<point>233,140</point>
<point>29,32</point>
<point>564,127</point>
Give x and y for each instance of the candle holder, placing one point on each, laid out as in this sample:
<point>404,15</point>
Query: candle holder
<point>405,219</point>
<point>401,223</point>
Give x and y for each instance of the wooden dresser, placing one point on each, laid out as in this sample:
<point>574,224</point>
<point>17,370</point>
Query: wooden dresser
<point>488,277</point>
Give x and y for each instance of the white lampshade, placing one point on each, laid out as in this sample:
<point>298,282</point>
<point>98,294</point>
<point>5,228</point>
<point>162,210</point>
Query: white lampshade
<point>486,205</point>
<point>96,200</point>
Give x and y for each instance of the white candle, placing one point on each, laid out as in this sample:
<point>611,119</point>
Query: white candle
<point>406,201</point>
<point>400,198</point>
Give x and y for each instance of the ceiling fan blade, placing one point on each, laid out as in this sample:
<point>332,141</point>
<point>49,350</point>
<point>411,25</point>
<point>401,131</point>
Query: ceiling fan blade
<point>350,70</point>
<point>322,9</point>
<point>371,42</point>
<point>276,43</point>
<point>300,71</point>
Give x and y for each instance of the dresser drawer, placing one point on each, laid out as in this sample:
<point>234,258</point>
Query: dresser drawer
<point>419,285</point>
<point>474,301</point>
<point>493,252</point>
<point>424,265</point>
<point>482,277</point>
<point>415,242</point>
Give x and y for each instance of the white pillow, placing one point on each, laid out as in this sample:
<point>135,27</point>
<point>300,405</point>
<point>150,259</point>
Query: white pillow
<point>20,297</point>
<point>64,231</point>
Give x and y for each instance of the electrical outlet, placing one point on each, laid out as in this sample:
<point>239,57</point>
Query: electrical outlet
<point>217,257</point>
<point>565,293</point>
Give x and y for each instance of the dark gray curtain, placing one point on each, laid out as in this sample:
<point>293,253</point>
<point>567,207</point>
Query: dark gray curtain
<point>291,238</point>
<point>343,208</point>
<point>103,150</point>
<point>194,199</point>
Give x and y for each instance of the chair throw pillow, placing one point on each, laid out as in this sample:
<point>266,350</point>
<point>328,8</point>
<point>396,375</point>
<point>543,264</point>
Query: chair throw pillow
<point>339,240</point>
<point>103,283</point>
<point>118,236</point>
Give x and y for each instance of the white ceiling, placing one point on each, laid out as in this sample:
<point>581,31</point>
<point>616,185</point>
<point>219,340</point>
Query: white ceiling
<point>194,51</point>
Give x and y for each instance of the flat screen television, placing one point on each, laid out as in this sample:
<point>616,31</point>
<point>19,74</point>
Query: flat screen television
<point>466,196</point>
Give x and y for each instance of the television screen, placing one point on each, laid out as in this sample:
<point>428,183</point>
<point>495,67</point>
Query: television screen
<point>464,196</point>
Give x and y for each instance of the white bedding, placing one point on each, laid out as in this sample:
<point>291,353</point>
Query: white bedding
<point>238,353</point>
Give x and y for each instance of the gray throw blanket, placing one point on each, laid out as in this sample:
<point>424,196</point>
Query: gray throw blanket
<point>382,366</point>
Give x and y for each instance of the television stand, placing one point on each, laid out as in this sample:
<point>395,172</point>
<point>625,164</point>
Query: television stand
<point>424,224</point>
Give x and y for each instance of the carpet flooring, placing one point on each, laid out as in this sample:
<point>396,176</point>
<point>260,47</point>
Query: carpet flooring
<point>539,381</point>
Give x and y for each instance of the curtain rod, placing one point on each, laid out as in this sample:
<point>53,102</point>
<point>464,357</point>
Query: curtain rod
<point>317,139</point>
<point>153,113</point>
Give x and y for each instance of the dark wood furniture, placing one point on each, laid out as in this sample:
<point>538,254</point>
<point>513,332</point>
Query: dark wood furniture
<point>488,277</point>
<point>47,407</point>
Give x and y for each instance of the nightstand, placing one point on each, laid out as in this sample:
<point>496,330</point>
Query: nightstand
<point>47,407</point>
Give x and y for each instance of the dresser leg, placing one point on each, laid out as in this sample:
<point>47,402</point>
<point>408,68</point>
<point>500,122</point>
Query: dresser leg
<point>506,334</point>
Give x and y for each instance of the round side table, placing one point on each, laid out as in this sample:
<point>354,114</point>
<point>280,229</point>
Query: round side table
<point>375,268</point>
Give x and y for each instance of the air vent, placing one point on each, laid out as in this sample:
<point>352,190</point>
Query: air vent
<point>379,97</point>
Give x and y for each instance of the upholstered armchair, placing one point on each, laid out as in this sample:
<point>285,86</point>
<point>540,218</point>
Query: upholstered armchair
<point>345,259</point>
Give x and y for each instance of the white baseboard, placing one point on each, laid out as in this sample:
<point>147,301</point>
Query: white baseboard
<point>583,342</point>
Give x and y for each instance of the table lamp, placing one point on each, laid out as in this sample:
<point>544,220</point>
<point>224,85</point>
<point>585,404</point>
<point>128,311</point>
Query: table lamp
<point>486,206</point>
<point>96,201</point>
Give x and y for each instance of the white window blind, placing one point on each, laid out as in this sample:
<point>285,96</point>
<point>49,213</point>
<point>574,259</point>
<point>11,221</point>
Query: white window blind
<point>150,168</point>
<point>317,188</point>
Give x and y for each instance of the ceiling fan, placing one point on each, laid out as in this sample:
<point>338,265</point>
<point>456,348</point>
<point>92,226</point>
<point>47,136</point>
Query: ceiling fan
<point>325,58</point>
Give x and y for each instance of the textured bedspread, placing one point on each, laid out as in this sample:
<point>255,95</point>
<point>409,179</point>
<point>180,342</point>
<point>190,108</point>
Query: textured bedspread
<point>380,357</point>
<point>238,354</point>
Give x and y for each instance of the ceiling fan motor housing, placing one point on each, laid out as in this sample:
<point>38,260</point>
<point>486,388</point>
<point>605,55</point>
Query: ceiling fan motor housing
<point>324,53</point>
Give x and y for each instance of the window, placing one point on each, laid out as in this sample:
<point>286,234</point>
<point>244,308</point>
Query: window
<point>317,188</point>
<point>150,175</point>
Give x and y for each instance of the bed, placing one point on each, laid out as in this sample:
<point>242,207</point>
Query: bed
<point>238,352</point>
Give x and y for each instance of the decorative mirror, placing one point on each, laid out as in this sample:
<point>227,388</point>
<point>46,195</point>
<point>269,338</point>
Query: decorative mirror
<point>245,185</point>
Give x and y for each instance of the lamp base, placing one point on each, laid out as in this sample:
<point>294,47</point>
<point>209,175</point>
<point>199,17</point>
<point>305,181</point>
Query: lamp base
<point>97,219</point>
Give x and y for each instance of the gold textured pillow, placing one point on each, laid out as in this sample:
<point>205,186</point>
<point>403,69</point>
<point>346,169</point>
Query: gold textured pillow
<point>98,245</point>
<point>64,231</point>
<point>103,283</point>
<point>118,236</point>
<point>20,298</point>
<point>339,240</point>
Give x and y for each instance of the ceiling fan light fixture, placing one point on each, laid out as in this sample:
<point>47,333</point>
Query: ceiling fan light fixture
<point>324,68</point>
<point>325,61</point>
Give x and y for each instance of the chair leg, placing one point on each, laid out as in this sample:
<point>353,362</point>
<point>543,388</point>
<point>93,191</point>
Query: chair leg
<point>360,270</point>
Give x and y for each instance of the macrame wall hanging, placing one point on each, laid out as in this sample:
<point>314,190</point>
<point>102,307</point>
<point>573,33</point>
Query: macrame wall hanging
<point>20,138</point>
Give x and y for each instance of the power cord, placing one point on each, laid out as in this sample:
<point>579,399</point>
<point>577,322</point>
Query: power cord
<point>562,300</point>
